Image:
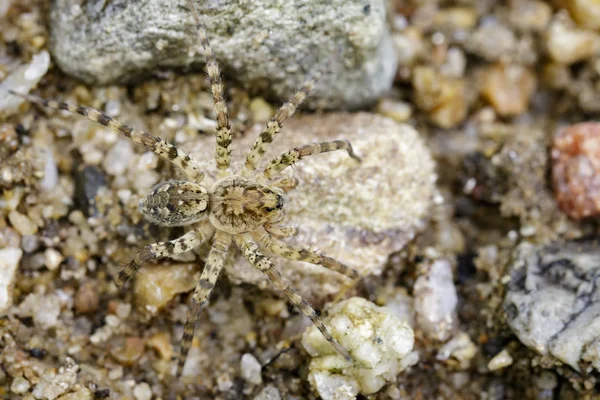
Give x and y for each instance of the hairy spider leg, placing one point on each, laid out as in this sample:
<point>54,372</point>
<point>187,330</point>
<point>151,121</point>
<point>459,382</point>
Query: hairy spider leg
<point>155,144</point>
<point>208,279</point>
<point>261,145</point>
<point>159,250</point>
<point>290,157</point>
<point>263,264</point>
<point>223,151</point>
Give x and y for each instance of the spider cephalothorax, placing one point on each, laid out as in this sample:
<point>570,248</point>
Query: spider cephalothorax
<point>245,208</point>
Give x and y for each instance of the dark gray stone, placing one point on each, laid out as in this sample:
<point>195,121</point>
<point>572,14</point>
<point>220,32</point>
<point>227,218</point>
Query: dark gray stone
<point>553,301</point>
<point>269,47</point>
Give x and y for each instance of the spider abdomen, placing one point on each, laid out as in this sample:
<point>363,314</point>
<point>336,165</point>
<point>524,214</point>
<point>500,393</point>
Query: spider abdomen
<point>175,203</point>
<point>240,205</point>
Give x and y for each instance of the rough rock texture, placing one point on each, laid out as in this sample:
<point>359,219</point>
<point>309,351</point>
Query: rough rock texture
<point>9,261</point>
<point>266,47</point>
<point>379,343</point>
<point>359,213</point>
<point>575,169</point>
<point>553,302</point>
<point>435,301</point>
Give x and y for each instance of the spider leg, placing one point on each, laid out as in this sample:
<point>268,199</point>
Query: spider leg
<point>261,145</point>
<point>210,274</point>
<point>285,184</point>
<point>263,264</point>
<point>290,252</point>
<point>155,144</point>
<point>297,153</point>
<point>281,231</point>
<point>223,152</point>
<point>159,250</point>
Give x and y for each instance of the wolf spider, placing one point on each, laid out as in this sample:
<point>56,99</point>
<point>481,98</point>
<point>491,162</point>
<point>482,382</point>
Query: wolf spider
<point>244,208</point>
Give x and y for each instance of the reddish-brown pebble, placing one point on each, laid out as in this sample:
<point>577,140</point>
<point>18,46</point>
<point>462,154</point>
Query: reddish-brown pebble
<point>576,169</point>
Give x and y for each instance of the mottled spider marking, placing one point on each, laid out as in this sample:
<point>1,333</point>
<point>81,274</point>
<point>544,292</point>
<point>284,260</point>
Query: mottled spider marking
<point>241,205</point>
<point>176,203</point>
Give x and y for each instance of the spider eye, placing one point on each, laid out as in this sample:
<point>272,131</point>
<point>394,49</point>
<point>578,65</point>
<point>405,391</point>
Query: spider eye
<point>269,209</point>
<point>279,202</point>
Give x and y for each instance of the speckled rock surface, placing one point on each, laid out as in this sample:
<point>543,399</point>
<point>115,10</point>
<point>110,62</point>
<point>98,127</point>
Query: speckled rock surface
<point>359,213</point>
<point>553,302</point>
<point>263,45</point>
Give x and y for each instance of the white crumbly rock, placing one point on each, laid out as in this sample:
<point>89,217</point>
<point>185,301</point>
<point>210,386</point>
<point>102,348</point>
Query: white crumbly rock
<point>9,261</point>
<point>379,343</point>
<point>22,80</point>
<point>435,301</point>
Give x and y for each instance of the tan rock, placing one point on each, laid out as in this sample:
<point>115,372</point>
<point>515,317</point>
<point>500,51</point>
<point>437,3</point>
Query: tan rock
<point>508,88</point>
<point>441,97</point>
<point>359,213</point>
<point>156,285</point>
<point>585,12</point>
<point>567,44</point>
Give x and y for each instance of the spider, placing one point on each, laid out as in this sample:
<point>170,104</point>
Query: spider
<point>245,208</point>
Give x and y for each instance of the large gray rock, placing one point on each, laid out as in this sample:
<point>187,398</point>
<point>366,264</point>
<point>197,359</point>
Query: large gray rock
<point>553,301</point>
<point>268,46</point>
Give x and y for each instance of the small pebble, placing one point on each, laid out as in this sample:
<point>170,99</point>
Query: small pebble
<point>585,12</point>
<point>568,45</point>
<point>118,157</point>
<point>460,348</point>
<point>436,300</point>
<point>129,352</point>
<point>508,88</point>
<point>261,110</point>
<point>251,369</point>
<point>161,342</point>
<point>158,285</point>
<point>22,223</point>
<point>576,169</point>
<point>20,385</point>
<point>441,97</point>
<point>22,80</point>
<point>500,360</point>
<point>44,309</point>
<point>30,243</point>
<point>9,261</point>
<point>87,299</point>
<point>142,391</point>
<point>399,111</point>
<point>52,259</point>
<point>268,393</point>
